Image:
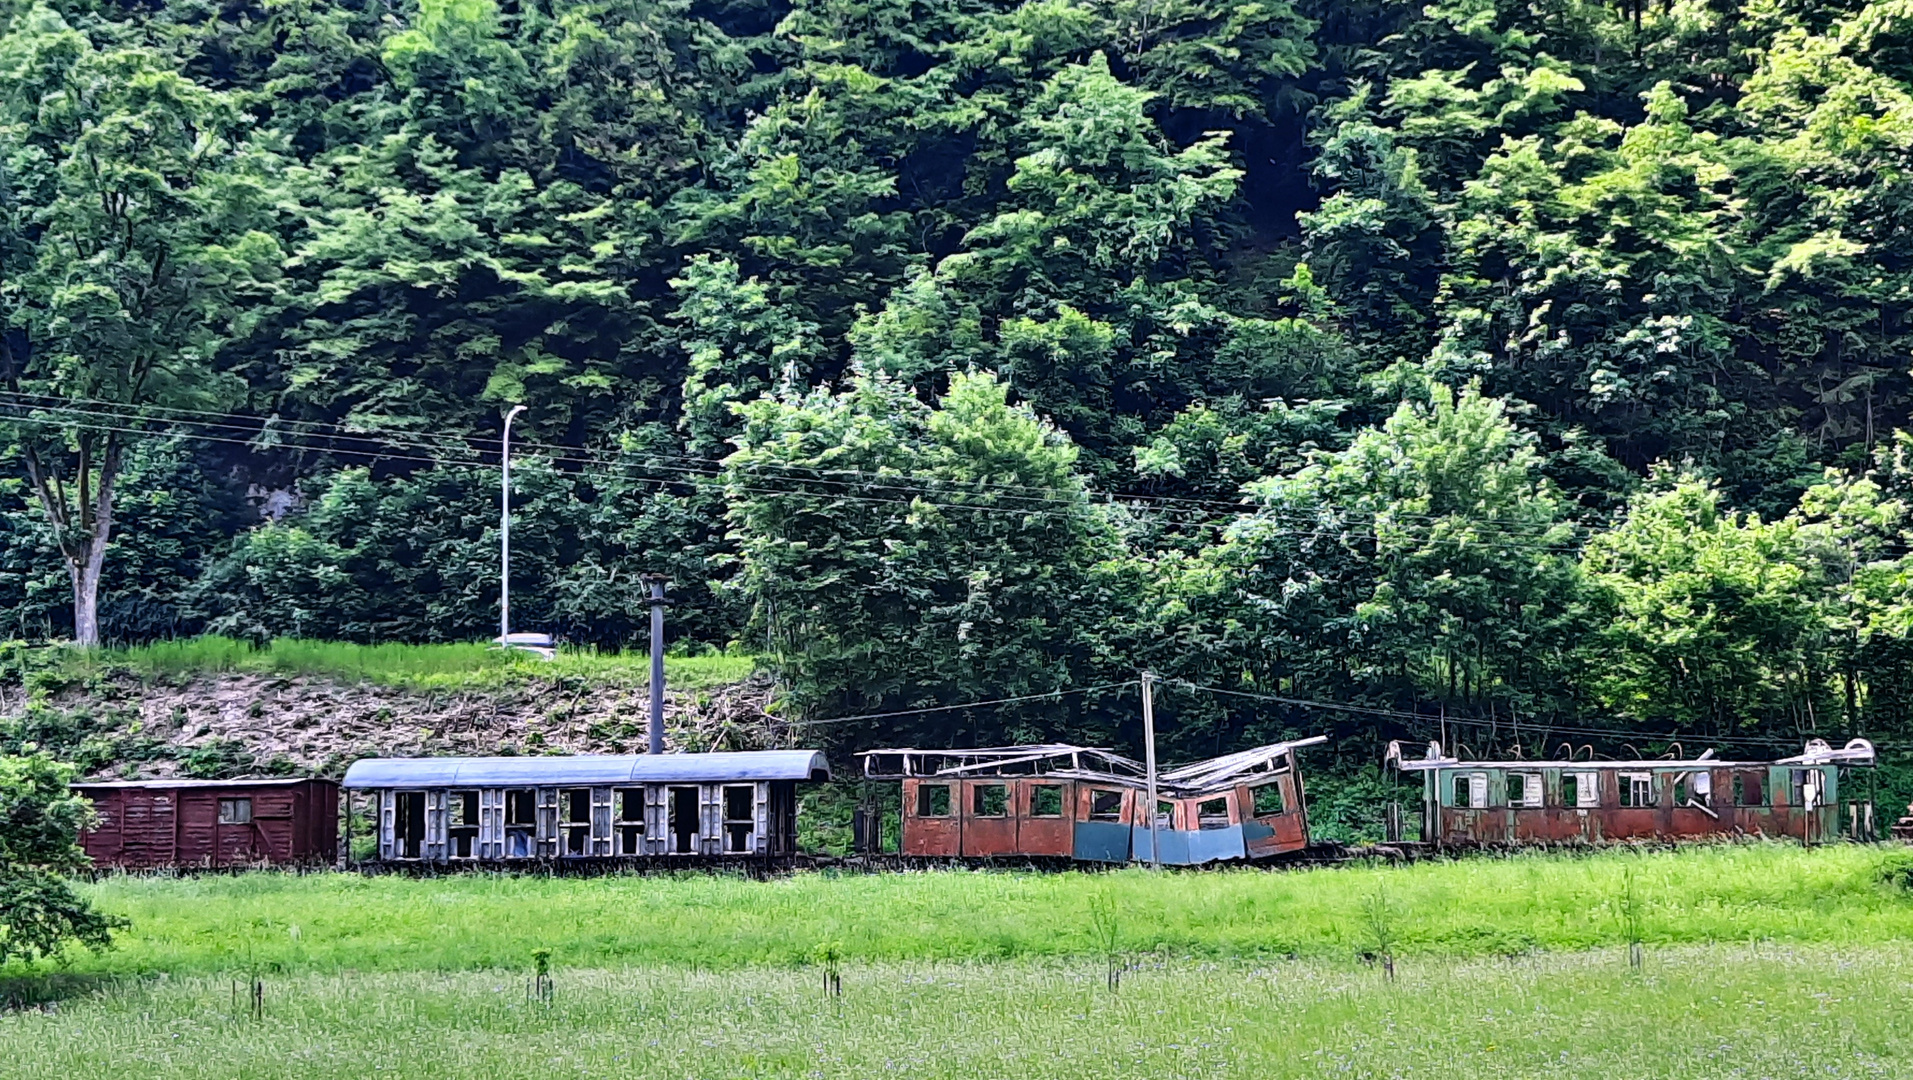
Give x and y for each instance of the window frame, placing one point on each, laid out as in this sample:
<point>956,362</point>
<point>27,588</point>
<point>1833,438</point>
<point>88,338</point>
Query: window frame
<point>230,809</point>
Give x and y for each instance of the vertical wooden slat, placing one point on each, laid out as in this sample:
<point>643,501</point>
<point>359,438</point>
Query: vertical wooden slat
<point>601,840</point>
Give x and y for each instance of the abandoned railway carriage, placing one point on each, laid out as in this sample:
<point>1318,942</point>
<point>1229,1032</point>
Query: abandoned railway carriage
<point>503,809</point>
<point>1089,805</point>
<point>1468,803</point>
<point>145,824</point>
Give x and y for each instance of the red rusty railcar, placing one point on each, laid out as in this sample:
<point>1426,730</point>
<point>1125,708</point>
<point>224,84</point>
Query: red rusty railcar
<point>1084,804</point>
<point>1496,803</point>
<point>146,824</point>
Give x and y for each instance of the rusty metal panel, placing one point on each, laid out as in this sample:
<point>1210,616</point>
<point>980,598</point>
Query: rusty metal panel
<point>986,835</point>
<point>1043,835</point>
<point>938,836</point>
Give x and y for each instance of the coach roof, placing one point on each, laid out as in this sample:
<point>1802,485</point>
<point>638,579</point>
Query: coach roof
<point>587,769</point>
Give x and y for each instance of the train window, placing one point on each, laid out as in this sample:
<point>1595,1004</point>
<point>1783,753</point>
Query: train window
<point>1693,789</point>
<point>1471,790</point>
<point>521,817</point>
<point>461,824</point>
<point>1524,789</point>
<point>1165,815</point>
<point>1046,800</point>
<point>1105,806</point>
<point>577,830</point>
<point>1808,793</point>
<point>1637,789</point>
<point>740,817</point>
<point>235,811</point>
<point>1747,789</point>
<point>933,800</point>
<point>629,804</point>
<point>989,800</point>
<point>1212,814</point>
<point>1581,789</point>
<point>1268,800</point>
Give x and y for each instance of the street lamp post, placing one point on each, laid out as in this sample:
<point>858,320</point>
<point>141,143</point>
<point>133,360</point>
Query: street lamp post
<point>504,530</point>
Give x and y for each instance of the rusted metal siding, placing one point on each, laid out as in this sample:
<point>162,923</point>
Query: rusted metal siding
<point>176,824</point>
<point>1774,805</point>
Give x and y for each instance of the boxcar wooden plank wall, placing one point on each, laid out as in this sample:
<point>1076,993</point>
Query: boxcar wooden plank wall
<point>186,823</point>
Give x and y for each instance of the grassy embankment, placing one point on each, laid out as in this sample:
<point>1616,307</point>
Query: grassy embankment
<point>410,667</point>
<point>1762,960</point>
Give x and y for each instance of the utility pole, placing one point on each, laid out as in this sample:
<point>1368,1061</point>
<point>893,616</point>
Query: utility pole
<point>1149,759</point>
<point>504,530</point>
<point>657,662</point>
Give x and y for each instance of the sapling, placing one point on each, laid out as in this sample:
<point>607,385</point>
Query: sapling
<point>1103,920</point>
<point>1381,927</point>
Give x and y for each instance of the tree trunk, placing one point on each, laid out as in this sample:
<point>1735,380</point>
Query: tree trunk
<point>82,529</point>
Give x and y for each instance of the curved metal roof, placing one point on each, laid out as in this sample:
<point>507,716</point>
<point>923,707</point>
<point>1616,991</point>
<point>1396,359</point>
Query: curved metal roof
<point>587,769</point>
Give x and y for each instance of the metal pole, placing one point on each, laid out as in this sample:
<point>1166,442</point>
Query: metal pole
<point>504,528</point>
<point>657,663</point>
<point>1149,759</point>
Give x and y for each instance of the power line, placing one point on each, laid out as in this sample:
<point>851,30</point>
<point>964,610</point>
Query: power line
<point>716,466</point>
<point>631,468</point>
<point>1053,695</point>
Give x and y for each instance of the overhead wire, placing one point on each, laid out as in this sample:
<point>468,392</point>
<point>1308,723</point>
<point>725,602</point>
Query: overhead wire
<point>1052,695</point>
<point>393,448</point>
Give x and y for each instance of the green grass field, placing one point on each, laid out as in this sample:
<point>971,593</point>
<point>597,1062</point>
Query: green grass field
<point>1761,960</point>
<point>416,667</point>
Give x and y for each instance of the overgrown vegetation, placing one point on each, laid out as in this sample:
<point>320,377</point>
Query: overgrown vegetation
<point>1539,365</point>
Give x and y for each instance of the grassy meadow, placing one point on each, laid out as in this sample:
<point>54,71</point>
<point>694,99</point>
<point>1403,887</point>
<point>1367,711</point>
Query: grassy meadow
<point>1467,907</point>
<point>1717,1011</point>
<point>1758,960</point>
<point>447,667</point>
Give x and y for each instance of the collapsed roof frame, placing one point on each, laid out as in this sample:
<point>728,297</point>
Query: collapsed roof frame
<point>1064,761</point>
<point>1817,752</point>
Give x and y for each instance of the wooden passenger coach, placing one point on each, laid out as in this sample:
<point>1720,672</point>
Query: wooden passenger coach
<point>1468,803</point>
<point>1090,805</point>
<point>515,809</point>
<point>144,824</point>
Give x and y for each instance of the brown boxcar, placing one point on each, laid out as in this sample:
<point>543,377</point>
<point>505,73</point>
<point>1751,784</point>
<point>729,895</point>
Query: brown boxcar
<point>143,824</point>
<point>1494,803</point>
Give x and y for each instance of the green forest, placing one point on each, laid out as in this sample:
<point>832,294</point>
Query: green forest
<point>1540,367</point>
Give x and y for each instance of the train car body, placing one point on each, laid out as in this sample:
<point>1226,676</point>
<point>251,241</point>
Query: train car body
<point>1497,803</point>
<point>514,810</point>
<point>1059,802</point>
<point>150,824</point>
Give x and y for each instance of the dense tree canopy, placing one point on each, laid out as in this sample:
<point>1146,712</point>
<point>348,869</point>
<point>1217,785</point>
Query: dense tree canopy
<point>1544,362</point>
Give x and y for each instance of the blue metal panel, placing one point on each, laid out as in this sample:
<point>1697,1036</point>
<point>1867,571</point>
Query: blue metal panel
<point>1100,841</point>
<point>1215,845</point>
<point>1175,845</point>
<point>587,769</point>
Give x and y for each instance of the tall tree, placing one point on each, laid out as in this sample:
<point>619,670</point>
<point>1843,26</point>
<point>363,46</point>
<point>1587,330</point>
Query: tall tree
<point>129,250</point>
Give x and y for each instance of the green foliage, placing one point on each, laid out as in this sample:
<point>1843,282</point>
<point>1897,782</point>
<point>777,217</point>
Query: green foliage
<point>40,821</point>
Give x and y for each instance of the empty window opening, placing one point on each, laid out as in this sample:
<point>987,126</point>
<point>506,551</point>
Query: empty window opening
<point>1693,789</point>
<point>1637,789</point>
<point>1471,790</point>
<point>1808,789</point>
<point>683,823</point>
<point>1268,801</point>
<point>1105,806</point>
<point>521,822</point>
<point>1747,789</point>
<point>629,805</point>
<point>989,800</point>
<point>1212,814</point>
<point>461,824</point>
<point>1524,789</point>
<point>933,800</point>
<point>235,811</point>
<point>1580,789</point>
<point>740,817</point>
<point>1046,800</point>
<point>576,804</point>
<point>1165,815</point>
<point>408,824</point>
